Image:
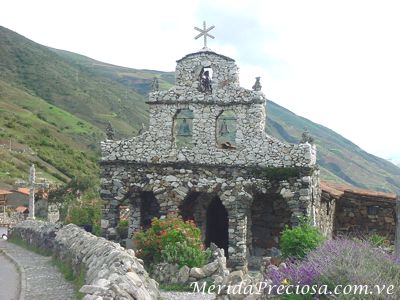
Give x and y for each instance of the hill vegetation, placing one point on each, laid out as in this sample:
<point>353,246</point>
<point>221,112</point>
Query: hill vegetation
<point>55,105</point>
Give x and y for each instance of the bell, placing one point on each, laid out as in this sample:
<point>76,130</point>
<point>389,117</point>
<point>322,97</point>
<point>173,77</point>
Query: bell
<point>184,128</point>
<point>223,129</point>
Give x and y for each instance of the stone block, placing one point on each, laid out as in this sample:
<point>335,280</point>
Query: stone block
<point>183,275</point>
<point>197,273</point>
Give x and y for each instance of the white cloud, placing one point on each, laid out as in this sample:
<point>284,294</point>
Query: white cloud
<point>336,63</point>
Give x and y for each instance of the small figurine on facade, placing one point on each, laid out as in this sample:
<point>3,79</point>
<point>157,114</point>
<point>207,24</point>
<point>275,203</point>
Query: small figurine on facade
<point>109,132</point>
<point>205,82</point>
<point>227,145</point>
<point>155,86</point>
<point>306,137</point>
<point>142,129</point>
<point>257,85</point>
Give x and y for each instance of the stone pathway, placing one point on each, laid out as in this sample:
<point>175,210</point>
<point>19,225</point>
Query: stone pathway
<point>39,279</point>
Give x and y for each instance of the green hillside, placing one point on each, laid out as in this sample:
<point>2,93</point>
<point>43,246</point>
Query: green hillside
<point>67,99</point>
<point>337,156</point>
<point>81,86</point>
<point>34,131</point>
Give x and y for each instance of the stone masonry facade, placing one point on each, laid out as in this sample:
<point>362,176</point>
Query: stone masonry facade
<point>229,188</point>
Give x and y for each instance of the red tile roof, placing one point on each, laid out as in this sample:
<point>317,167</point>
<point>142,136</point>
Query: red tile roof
<point>23,191</point>
<point>337,190</point>
<point>21,209</point>
<point>5,192</point>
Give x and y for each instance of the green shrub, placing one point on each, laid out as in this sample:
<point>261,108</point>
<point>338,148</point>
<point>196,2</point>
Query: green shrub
<point>183,254</point>
<point>378,240</point>
<point>298,241</point>
<point>171,240</point>
<point>85,213</point>
<point>122,229</point>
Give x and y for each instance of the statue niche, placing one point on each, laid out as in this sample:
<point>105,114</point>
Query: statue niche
<point>183,128</point>
<point>205,80</point>
<point>226,130</point>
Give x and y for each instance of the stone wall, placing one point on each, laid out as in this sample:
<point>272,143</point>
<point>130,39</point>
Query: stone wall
<point>359,212</point>
<point>11,218</point>
<point>254,147</point>
<point>325,211</point>
<point>363,214</point>
<point>111,272</point>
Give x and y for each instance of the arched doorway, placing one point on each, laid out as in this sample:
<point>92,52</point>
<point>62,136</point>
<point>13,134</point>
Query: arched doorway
<point>269,215</point>
<point>149,209</point>
<point>217,225</point>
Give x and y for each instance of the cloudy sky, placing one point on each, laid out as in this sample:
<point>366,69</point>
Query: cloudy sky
<point>334,62</point>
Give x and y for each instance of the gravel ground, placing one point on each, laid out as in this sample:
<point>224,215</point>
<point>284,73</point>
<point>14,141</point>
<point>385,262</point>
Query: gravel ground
<point>186,296</point>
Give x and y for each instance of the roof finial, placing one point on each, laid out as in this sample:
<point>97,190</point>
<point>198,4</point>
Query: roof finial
<point>109,131</point>
<point>257,85</point>
<point>205,34</point>
<point>155,86</point>
<point>306,137</point>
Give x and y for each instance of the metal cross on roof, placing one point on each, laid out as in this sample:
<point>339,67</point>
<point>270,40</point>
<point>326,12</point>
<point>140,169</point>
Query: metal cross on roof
<point>204,33</point>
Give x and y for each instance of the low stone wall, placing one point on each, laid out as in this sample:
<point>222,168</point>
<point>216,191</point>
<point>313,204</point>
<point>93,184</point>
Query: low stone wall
<point>11,218</point>
<point>111,272</point>
<point>358,212</point>
<point>214,271</point>
<point>363,214</point>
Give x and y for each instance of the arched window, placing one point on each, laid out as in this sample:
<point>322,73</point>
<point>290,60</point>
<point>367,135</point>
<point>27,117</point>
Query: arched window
<point>183,128</point>
<point>226,130</point>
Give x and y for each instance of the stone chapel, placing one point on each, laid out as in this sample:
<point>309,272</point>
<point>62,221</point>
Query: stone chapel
<point>206,156</point>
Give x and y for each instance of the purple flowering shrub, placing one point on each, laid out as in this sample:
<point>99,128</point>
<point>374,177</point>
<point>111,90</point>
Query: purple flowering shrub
<point>345,261</point>
<point>295,272</point>
<point>341,262</point>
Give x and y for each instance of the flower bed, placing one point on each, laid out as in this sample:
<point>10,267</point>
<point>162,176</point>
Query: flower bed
<point>341,262</point>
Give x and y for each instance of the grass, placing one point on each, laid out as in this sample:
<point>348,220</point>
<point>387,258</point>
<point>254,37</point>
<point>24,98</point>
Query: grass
<point>77,280</point>
<point>29,247</point>
<point>56,141</point>
<point>179,287</point>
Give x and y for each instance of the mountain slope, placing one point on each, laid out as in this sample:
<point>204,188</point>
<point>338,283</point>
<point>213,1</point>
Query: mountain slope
<point>80,88</point>
<point>337,156</point>
<point>33,131</point>
<point>94,93</point>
